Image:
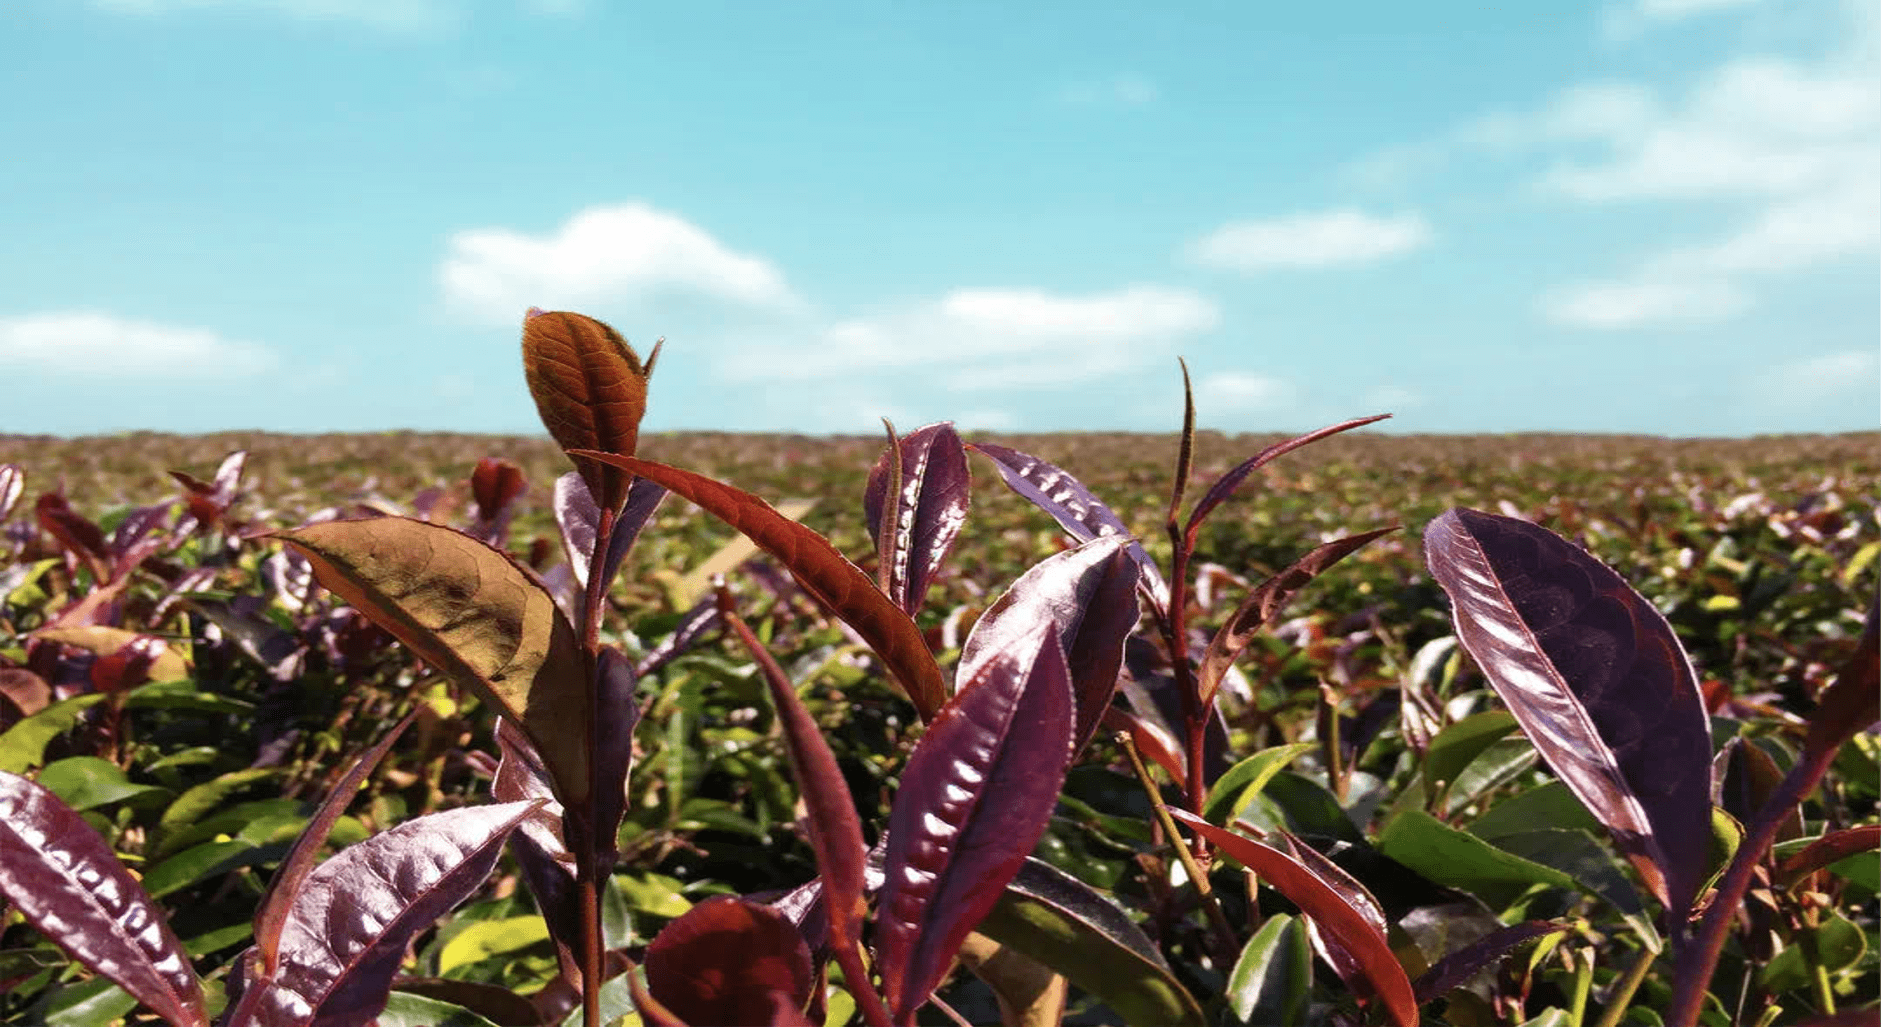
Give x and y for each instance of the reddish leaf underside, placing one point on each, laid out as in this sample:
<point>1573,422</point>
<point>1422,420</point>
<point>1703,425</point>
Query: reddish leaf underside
<point>1320,901</point>
<point>823,572</point>
<point>1598,681</point>
<point>975,797</point>
<point>930,506</point>
<point>729,961</point>
<point>64,878</point>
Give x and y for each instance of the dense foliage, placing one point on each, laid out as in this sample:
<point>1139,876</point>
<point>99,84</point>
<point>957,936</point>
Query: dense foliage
<point>1382,837</point>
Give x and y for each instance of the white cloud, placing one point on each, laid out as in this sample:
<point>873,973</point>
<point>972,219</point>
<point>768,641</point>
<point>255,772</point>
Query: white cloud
<point>1626,20</point>
<point>1391,398</point>
<point>1223,394</point>
<point>1821,378</point>
<point>627,251</point>
<point>102,346</point>
<point>994,338</point>
<point>1622,305</point>
<point>1340,237</point>
<point>1120,90</point>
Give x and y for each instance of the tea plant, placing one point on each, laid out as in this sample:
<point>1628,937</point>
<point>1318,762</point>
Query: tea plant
<point>1616,841</point>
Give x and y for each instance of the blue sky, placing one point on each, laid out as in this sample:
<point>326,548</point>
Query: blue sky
<point>1655,216</point>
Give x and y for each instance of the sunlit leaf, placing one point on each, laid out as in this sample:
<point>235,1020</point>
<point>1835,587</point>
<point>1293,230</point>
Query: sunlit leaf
<point>1273,979</point>
<point>590,389</point>
<point>1597,679</point>
<point>930,503</point>
<point>58,872</point>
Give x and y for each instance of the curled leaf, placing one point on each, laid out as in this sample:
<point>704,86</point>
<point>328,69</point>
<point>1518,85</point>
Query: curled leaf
<point>929,504</point>
<point>590,389</point>
<point>1354,931</point>
<point>1598,681</point>
<point>1831,847</point>
<point>1087,596</point>
<point>468,610</point>
<point>975,798</point>
<point>64,878</point>
<point>823,573</point>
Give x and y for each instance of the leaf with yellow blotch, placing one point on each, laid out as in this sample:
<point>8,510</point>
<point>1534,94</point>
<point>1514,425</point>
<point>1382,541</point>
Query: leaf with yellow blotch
<point>471,612</point>
<point>590,389</point>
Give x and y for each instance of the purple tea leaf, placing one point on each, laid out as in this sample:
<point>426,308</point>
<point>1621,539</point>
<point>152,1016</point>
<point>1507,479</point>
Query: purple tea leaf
<point>931,505</point>
<point>62,876</point>
<point>613,749</point>
<point>976,796</point>
<point>12,484</point>
<point>294,868</point>
<point>1088,596</point>
<point>350,923</point>
<point>1598,681</point>
<point>580,519</point>
<point>1461,965</point>
<point>1229,482</point>
<point>1076,509</point>
<point>730,961</point>
<point>702,618</point>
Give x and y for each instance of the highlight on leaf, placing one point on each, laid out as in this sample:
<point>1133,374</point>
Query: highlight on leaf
<point>590,389</point>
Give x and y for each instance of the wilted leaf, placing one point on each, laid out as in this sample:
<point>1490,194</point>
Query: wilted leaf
<point>590,389</point>
<point>823,573</point>
<point>471,612</point>
<point>1264,602</point>
<point>1087,596</point>
<point>930,503</point>
<point>1597,679</point>
<point>728,961</point>
<point>975,797</point>
<point>64,878</point>
<point>348,926</point>
<point>1319,900</point>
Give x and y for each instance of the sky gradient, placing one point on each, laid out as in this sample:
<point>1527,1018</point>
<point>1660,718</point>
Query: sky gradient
<point>1642,216</point>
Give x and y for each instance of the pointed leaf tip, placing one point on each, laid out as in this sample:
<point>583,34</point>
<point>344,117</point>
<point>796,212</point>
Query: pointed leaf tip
<point>590,389</point>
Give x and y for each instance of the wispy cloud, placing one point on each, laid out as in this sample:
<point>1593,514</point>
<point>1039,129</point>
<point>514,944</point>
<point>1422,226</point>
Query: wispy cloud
<point>1622,305</point>
<point>1318,240</point>
<point>384,15</point>
<point>975,339</point>
<point>105,346</point>
<point>1222,395</point>
<point>1118,90</point>
<point>601,255</point>
<point>1821,378</point>
<point>1637,17</point>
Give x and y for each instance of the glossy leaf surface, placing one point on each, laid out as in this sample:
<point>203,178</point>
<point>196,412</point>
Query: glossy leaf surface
<point>58,872</point>
<point>728,961</point>
<point>1351,928</point>
<point>299,862</point>
<point>349,925</point>
<point>579,519</point>
<point>1233,791</point>
<point>1078,932</point>
<point>1225,486</point>
<point>471,612</point>
<point>1076,509</point>
<point>1264,602</point>
<point>975,797</point>
<point>1273,979</point>
<point>930,503</point>
<point>1087,596</point>
<point>823,573</point>
<point>1596,678</point>
<point>590,389</point>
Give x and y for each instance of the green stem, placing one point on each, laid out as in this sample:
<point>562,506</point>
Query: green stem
<point>1825,991</point>
<point>1225,950</point>
<point>1583,983</point>
<point>1624,989</point>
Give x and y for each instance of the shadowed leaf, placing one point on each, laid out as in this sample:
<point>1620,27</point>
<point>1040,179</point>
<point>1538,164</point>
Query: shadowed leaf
<point>1266,601</point>
<point>590,389</point>
<point>1076,509</point>
<point>975,798</point>
<point>471,612</point>
<point>1833,846</point>
<point>294,868</point>
<point>1074,930</point>
<point>614,748</point>
<point>350,923</point>
<point>930,504</point>
<point>1088,597</point>
<point>75,532</point>
<point>1229,482</point>
<point>580,520</point>
<point>64,878</point>
<point>1351,929</point>
<point>1599,683</point>
<point>1460,966</point>
<point>823,573</point>
<point>1853,701</point>
<point>728,961</point>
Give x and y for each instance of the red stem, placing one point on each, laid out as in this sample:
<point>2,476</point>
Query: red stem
<point>1698,960</point>
<point>587,874</point>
